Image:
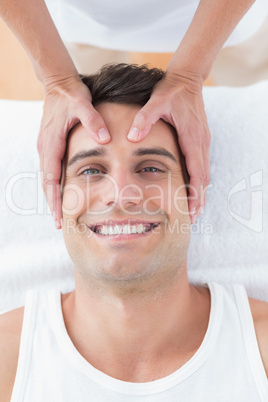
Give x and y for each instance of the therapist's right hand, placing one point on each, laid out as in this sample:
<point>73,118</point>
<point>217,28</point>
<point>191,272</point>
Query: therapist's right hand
<point>67,102</point>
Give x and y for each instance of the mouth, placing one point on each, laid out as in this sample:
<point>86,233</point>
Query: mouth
<point>123,229</point>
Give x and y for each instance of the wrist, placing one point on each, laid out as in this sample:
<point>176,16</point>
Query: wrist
<point>52,69</point>
<point>62,85</point>
<point>190,80</point>
<point>194,60</point>
<point>60,81</point>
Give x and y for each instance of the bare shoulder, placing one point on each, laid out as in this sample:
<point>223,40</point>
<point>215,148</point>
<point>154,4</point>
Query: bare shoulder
<point>259,310</point>
<point>10,332</point>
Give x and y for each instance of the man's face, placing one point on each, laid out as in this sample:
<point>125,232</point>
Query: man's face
<point>125,213</point>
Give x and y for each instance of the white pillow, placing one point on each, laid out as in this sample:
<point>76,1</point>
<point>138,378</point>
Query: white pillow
<point>229,240</point>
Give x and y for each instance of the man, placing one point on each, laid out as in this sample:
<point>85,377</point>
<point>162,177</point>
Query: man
<point>134,328</point>
<point>194,31</point>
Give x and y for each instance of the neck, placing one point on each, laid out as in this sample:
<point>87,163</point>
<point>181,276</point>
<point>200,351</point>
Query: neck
<point>136,327</point>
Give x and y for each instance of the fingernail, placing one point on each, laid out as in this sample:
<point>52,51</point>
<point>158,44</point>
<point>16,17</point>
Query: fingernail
<point>199,211</point>
<point>133,134</point>
<point>193,219</point>
<point>193,211</point>
<point>57,224</point>
<point>103,134</point>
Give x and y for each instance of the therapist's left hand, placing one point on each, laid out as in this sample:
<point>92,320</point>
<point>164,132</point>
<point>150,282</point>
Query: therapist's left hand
<point>177,99</point>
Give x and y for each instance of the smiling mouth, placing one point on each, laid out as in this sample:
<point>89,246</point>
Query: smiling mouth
<point>127,229</point>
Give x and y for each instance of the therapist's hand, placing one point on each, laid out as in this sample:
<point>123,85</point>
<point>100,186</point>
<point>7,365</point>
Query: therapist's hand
<point>67,102</point>
<point>178,100</point>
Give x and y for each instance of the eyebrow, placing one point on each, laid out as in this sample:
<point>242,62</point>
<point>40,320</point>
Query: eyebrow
<point>155,151</point>
<point>102,152</point>
<point>86,154</point>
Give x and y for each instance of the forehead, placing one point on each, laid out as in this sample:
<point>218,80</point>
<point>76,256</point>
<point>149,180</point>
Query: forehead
<point>118,119</point>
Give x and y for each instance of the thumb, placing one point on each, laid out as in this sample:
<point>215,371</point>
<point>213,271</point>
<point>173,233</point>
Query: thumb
<point>94,124</point>
<point>143,122</point>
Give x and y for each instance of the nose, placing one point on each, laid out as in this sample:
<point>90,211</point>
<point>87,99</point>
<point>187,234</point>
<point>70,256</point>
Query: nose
<point>121,189</point>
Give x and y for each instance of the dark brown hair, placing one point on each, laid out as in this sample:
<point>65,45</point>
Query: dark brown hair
<point>123,83</point>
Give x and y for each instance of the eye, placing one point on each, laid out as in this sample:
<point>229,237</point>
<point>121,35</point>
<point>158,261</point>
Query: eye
<point>152,169</point>
<point>92,172</point>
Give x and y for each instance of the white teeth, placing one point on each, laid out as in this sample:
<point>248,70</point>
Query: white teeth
<point>121,229</point>
<point>114,230</point>
<point>118,229</point>
<point>133,229</point>
<point>125,229</point>
<point>104,230</point>
<point>140,228</point>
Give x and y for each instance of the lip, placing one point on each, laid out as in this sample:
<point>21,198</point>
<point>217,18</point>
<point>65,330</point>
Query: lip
<point>125,237</point>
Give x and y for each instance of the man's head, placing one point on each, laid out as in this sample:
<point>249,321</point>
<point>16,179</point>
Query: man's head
<point>125,214</point>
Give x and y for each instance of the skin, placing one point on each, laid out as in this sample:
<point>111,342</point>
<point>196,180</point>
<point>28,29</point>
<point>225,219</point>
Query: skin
<point>177,99</point>
<point>126,170</point>
<point>133,321</point>
<point>125,288</point>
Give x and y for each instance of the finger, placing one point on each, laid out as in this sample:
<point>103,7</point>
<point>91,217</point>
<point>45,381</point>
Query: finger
<point>194,203</point>
<point>53,196</point>
<point>94,124</point>
<point>206,163</point>
<point>143,121</point>
<point>52,156</point>
<point>195,166</point>
<point>41,157</point>
<point>57,202</point>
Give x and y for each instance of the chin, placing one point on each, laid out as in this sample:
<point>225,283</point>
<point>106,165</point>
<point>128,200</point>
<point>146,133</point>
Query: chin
<point>115,269</point>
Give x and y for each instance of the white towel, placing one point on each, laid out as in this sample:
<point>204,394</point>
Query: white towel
<point>229,240</point>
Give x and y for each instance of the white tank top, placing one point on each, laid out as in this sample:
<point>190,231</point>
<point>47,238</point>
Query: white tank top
<point>138,25</point>
<point>226,368</point>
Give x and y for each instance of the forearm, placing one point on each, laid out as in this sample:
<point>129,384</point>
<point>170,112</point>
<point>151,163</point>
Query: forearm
<point>32,24</point>
<point>213,23</point>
